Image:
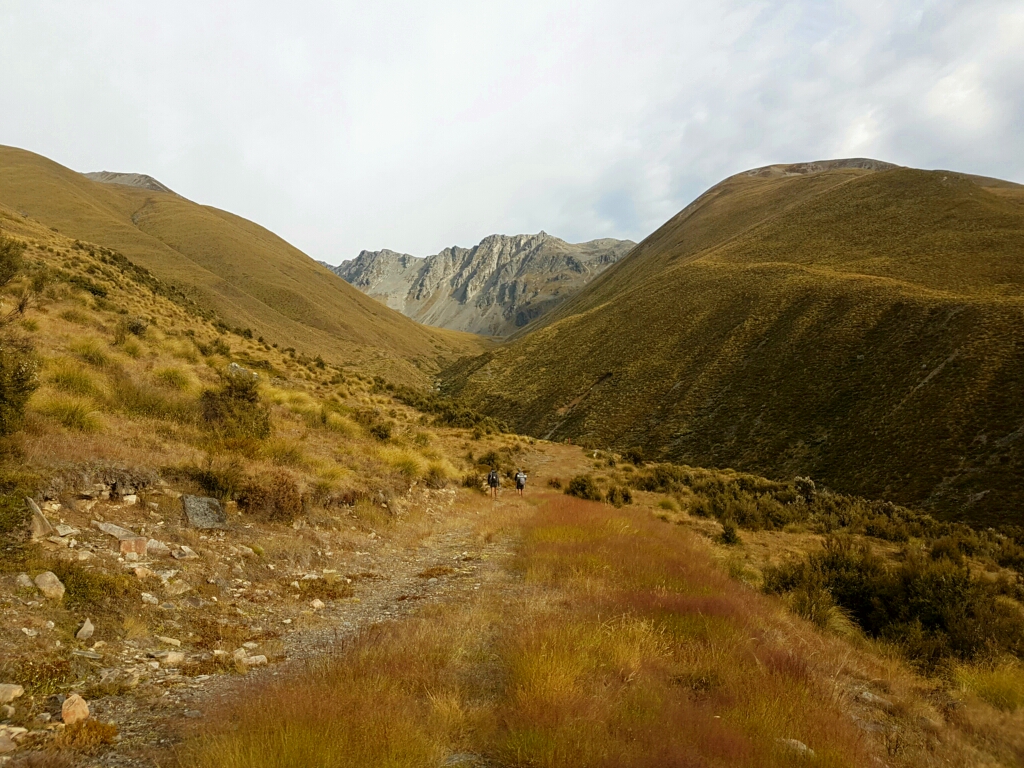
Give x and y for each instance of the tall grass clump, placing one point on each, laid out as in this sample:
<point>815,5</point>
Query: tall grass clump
<point>71,379</point>
<point>172,378</point>
<point>92,352</point>
<point>75,413</point>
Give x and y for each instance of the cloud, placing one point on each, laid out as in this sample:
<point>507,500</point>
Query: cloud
<point>416,126</point>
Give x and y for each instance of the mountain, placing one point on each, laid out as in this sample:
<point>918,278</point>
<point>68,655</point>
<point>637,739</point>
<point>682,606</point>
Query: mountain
<point>849,320</point>
<point>249,276</point>
<point>493,288</point>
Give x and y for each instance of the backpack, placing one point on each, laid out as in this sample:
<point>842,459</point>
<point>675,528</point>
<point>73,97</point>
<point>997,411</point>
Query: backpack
<point>492,479</point>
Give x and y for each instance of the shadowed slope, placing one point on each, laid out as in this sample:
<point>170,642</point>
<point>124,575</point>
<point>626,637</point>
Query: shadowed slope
<point>248,275</point>
<point>861,326</point>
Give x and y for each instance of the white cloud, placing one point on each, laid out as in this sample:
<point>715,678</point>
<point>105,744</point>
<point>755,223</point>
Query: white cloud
<point>414,126</point>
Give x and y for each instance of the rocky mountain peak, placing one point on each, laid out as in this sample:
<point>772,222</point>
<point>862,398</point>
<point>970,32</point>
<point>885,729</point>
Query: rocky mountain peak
<point>492,288</point>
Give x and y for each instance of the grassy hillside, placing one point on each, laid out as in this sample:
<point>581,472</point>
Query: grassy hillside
<point>860,326</point>
<point>250,277</point>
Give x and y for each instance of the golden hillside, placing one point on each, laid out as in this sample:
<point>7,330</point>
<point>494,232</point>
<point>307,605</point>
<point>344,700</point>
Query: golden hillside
<point>249,276</point>
<point>862,326</point>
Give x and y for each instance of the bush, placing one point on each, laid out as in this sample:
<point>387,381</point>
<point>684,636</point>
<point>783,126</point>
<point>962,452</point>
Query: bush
<point>134,326</point>
<point>584,487</point>
<point>219,479</point>
<point>275,498</point>
<point>729,535</point>
<point>618,496</point>
<point>10,258</point>
<point>18,381</point>
<point>236,408</point>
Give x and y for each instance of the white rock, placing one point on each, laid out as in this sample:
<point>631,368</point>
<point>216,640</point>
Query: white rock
<point>25,581</point>
<point>75,709</point>
<point>131,498</point>
<point>50,585</point>
<point>7,711</point>
<point>255,661</point>
<point>173,659</point>
<point>29,632</point>
<point>41,527</point>
<point>239,654</point>
<point>149,599</point>
<point>113,530</point>
<point>169,641</point>
<point>66,530</point>
<point>317,604</point>
<point>9,692</point>
<point>86,631</point>
<point>250,646</point>
<point>157,548</point>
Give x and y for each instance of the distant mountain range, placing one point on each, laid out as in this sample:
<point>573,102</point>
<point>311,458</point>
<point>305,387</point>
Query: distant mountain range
<point>494,288</point>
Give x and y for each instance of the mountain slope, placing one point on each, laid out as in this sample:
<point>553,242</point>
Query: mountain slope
<point>249,276</point>
<point>493,288</point>
<point>862,326</point>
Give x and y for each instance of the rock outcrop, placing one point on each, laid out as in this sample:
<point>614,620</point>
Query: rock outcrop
<point>493,288</point>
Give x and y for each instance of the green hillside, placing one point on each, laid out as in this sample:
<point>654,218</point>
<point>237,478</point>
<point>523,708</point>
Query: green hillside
<point>862,326</point>
<point>249,276</point>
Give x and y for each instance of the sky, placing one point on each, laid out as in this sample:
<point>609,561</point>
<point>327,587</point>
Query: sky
<point>415,126</point>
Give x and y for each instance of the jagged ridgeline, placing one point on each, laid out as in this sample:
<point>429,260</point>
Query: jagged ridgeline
<point>851,320</point>
<point>251,278</point>
<point>494,288</point>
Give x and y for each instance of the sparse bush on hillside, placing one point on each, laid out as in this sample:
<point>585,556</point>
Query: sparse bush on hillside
<point>584,487</point>
<point>219,478</point>
<point>932,608</point>
<point>275,498</point>
<point>17,364</point>
<point>129,326</point>
<point>618,495</point>
<point>236,408</point>
<point>446,411</point>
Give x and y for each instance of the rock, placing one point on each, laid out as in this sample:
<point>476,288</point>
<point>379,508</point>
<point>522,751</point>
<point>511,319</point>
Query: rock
<point>149,599</point>
<point>169,641</point>
<point>7,711</point>
<point>134,545</point>
<point>185,553</point>
<point>142,572</point>
<point>75,709</point>
<point>317,604</point>
<point>178,587</point>
<point>25,581</point>
<point>157,548</point>
<point>43,717</point>
<point>41,527</point>
<point>239,654</point>
<point>797,747</point>
<point>57,540</point>
<point>172,659</point>
<point>872,700</point>
<point>204,512</point>
<point>131,498</point>
<point>245,551</point>
<point>91,655</point>
<point>251,645</point>
<point>66,530</point>
<point>113,530</point>
<point>255,661</point>
<point>50,585</point>
<point>9,692</point>
<point>6,744</point>
<point>29,632</point>
<point>86,631</point>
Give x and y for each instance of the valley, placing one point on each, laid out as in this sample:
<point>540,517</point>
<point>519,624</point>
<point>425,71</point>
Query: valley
<point>240,526</point>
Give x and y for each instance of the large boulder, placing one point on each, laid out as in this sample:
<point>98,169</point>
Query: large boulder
<point>50,585</point>
<point>75,709</point>
<point>41,527</point>
<point>204,512</point>
<point>9,692</point>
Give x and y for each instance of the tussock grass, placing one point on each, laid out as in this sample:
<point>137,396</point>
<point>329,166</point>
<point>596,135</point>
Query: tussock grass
<point>92,352</point>
<point>75,413</point>
<point>71,378</point>
<point>1001,684</point>
<point>173,378</point>
<point>406,462</point>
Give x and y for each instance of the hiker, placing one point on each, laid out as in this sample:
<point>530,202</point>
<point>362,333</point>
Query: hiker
<point>520,481</point>
<point>492,481</point>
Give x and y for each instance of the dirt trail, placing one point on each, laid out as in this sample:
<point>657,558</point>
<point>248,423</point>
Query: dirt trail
<point>151,725</point>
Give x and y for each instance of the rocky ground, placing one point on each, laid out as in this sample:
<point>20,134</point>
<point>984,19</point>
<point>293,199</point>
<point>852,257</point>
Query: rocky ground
<point>219,608</point>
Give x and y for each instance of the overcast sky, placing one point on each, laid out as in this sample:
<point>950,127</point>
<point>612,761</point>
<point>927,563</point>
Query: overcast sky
<point>419,125</point>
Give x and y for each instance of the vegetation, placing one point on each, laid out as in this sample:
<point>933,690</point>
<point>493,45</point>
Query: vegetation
<point>813,337</point>
<point>17,366</point>
<point>235,409</point>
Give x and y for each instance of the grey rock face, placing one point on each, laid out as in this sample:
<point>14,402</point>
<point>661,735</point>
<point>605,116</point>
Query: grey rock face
<point>204,512</point>
<point>493,288</point>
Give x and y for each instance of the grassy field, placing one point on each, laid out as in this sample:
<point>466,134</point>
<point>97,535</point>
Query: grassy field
<point>859,327</point>
<point>248,276</point>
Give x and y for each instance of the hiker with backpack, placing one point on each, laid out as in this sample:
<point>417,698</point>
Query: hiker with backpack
<point>520,481</point>
<point>492,481</point>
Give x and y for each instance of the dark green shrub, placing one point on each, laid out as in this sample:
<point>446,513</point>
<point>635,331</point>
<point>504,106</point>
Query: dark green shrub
<point>236,408</point>
<point>729,535</point>
<point>10,258</point>
<point>618,496</point>
<point>18,380</point>
<point>275,498</point>
<point>219,479</point>
<point>382,430</point>
<point>584,487</point>
<point>634,456</point>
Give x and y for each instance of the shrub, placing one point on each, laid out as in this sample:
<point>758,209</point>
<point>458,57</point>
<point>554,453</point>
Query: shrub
<point>129,326</point>
<point>18,381</point>
<point>729,535</point>
<point>95,590</point>
<point>618,496</point>
<point>220,479</point>
<point>584,487</point>
<point>275,498</point>
<point>555,483</point>
<point>635,456</point>
<point>437,475</point>
<point>11,251</point>
<point>382,430</point>
<point>236,408</point>
<point>141,399</point>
